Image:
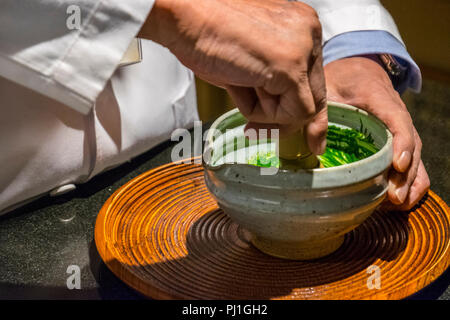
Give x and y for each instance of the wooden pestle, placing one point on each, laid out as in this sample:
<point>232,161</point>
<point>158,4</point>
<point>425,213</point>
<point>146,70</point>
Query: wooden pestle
<point>295,154</point>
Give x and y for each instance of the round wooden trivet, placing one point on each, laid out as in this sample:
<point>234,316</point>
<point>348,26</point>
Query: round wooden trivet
<point>164,235</point>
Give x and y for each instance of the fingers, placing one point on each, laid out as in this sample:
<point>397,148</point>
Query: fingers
<point>406,145</point>
<point>254,130</point>
<point>255,104</point>
<point>258,106</point>
<point>406,186</point>
<point>316,129</point>
<point>268,103</point>
<point>244,98</point>
<point>418,189</point>
<point>400,182</point>
<point>362,82</point>
<point>405,141</point>
<point>305,105</point>
<point>317,83</point>
<point>296,108</point>
<point>297,103</point>
<point>316,132</point>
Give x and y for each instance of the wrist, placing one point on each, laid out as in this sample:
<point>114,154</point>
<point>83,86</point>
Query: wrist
<point>395,71</point>
<point>373,57</point>
<point>355,74</point>
<point>161,24</point>
<point>369,65</point>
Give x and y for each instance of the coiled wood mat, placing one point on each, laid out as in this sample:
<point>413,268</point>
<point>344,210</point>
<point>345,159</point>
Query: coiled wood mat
<point>164,235</point>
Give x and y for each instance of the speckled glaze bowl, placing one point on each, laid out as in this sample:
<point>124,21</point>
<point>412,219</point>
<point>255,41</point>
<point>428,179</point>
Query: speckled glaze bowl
<point>296,214</point>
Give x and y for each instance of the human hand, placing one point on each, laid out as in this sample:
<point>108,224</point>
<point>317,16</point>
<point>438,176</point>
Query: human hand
<point>362,82</point>
<point>267,54</point>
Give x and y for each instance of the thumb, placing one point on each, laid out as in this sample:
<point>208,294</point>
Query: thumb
<point>316,132</point>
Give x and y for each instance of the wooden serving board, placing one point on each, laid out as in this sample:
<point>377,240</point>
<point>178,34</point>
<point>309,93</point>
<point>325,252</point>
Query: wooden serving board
<point>164,235</point>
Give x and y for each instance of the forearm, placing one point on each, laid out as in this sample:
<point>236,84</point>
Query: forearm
<point>177,23</point>
<point>161,23</point>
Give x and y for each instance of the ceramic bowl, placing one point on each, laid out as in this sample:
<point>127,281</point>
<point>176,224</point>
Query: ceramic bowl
<point>296,214</point>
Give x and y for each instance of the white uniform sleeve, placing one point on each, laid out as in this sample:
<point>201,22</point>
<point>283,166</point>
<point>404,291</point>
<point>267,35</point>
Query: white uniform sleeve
<point>67,49</point>
<point>340,16</point>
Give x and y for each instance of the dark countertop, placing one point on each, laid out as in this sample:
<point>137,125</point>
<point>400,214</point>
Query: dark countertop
<point>39,241</point>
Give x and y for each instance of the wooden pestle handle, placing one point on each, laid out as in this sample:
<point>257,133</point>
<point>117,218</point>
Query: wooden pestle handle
<point>295,151</point>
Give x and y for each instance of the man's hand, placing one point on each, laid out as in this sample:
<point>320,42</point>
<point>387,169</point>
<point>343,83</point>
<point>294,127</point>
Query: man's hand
<point>267,54</point>
<point>362,82</point>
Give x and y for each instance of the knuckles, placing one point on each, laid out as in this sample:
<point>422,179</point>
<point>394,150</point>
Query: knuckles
<point>310,18</point>
<point>296,42</point>
<point>308,113</point>
<point>304,10</point>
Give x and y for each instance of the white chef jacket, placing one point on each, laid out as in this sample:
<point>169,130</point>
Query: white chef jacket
<point>67,112</point>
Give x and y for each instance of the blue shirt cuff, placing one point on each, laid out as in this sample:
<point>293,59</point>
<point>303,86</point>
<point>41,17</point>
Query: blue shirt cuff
<point>374,42</point>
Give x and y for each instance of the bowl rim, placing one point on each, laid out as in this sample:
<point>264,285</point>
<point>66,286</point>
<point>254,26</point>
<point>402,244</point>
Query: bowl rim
<point>364,169</point>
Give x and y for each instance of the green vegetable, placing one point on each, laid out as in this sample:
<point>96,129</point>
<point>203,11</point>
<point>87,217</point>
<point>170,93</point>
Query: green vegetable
<point>343,146</point>
<point>265,160</point>
<point>346,146</point>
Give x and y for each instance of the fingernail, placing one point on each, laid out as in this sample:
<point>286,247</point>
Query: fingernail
<point>404,161</point>
<point>401,193</point>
